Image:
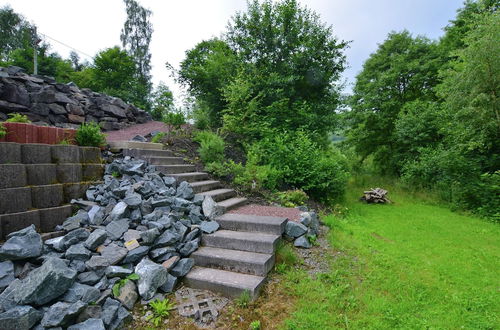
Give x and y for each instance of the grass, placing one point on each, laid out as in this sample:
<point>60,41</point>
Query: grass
<point>409,265</point>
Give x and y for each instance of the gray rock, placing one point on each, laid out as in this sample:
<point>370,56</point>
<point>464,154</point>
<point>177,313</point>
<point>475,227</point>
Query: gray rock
<point>89,324</point>
<point>85,293</point>
<point>139,138</point>
<point>128,294</point>
<point>117,271</point>
<point>78,252</point>
<point>122,316</point>
<point>23,244</point>
<point>188,248</point>
<point>181,229</point>
<point>78,265</point>
<point>157,253</point>
<point>151,277</point>
<point>56,243</point>
<point>117,228</point>
<point>6,273</point>
<point>185,191</point>
<point>109,310</point>
<point>136,254</point>
<point>62,314</point>
<point>294,229</point>
<point>170,181</point>
<point>96,215</point>
<point>8,296</point>
<point>169,237</point>
<point>149,236</point>
<point>192,235</point>
<point>97,263</point>
<point>102,284</point>
<point>209,226</point>
<point>169,285</point>
<point>119,211</point>
<point>96,238</point>
<point>211,209</point>
<point>131,234</point>
<point>133,200</point>
<point>89,278</point>
<point>305,219</point>
<point>90,312</point>
<point>182,267</point>
<point>74,237</point>
<point>46,283</point>
<point>19,318</point>
<point>302,242</point>
<point>114,253</point>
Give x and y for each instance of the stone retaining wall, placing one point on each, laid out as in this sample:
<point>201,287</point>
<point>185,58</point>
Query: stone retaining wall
<point>45,101</point>
<point>37,182</point>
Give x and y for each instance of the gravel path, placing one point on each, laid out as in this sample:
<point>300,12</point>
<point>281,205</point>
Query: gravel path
<point>254,209</point>
<point>139,129</point>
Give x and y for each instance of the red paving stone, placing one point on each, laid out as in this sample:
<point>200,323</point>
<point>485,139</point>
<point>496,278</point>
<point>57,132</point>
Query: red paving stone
<point>274,211</point>
<point>139,129</point>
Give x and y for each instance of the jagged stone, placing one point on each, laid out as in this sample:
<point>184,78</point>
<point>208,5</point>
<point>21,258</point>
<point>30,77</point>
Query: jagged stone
<point>294,229</point>
<point>89,324</point>
<point>136,254</point>
<point>85,293</point>
<point>185,191</point>
<point>169,285</point>
<point>78,252</point>
<point>22,244</point>
<point>62,314</point>
<point>133,200</point>
<point>188,248</point>
<point>151,277</point>
<point>96,238</point>
<point>211,209</point>
<point>182,267</point>
<point>302,242</point>
<point>89,278</point>
<point>117,271</point>
<point>169,237</point>
<point>148,237</point>
<point>19,317</point>
<point>114,253</point>
<point>117,228</point>
<point>6,273</point>
<point>109,310</point>
<point>128,294</point>
<point>209,226</point>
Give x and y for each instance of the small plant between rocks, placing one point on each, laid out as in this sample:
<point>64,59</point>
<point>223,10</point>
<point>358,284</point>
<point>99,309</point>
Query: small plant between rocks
<point>160,311</point>
<point>17,118</point>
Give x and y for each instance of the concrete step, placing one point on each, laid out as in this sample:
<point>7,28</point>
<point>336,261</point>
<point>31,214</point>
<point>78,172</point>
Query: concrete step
<point>252,223</point>
<point>164,160</point>
<point>219,194</point>
<point>201,186</point>
<point>229,284</point>
<point>190,177</point>
<point>120,145</point>
<point>232,260</point>
<point>145,153</point>
<point>232,203</point>
<point>175,169</point>
<point>242,240</point>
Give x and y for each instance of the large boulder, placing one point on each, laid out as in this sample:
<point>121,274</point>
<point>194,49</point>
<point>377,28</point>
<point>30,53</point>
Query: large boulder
<point>19,317</point>
<point>23,244</point>
<point>151,277</point>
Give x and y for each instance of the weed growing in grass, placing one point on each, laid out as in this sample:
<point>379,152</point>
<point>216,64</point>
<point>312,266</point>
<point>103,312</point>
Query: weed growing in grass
<point>255,325</point>
<point>161,310</point>
<point>244,299</point>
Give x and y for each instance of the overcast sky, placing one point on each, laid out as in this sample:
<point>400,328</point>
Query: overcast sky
<point>93,25</point>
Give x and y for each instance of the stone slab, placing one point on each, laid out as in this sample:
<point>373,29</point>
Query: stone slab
<point>51,217</point>
<point>12,175</point>
<point>244,241</point>
<point>47,196</point>
<point>13,200</point>
<point>253,223</point>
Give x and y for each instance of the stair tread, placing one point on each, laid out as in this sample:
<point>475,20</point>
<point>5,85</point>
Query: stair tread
<point>188,173</point>
<point>224,277</point>
<point>216,192</point>
<point>237,255</point>
<point>252,218</point>
<point>232,201</point>
<point>245,235</point>
<point>202,183</point>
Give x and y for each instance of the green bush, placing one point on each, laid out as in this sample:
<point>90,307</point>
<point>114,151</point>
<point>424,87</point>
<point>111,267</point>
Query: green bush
<point>228,169</point>
<point>292,198</point>
<point>211,147</point>
<point>3,130</point>
<point>157,138</point>
<point>17,118</point>
<point>89,135</point>
<point>322,173</point>
<point>176,119</point>
<point>255,176</point>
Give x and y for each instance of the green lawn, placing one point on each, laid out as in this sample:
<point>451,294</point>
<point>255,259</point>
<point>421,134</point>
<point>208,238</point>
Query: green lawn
<point>408,265</point>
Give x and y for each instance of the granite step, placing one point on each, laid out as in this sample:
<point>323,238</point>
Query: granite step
<point>219,194</point>
<point>252,223</point>
<point>190,176</point>
<point>227,283</point>
<point>175,169</point>
<point>201,186</point>
<point>232,260</point>
<point>242,240</point>
<point>145,153</point>
<point>121,145</point>
<point>232,203</point>
<point>154,160</point>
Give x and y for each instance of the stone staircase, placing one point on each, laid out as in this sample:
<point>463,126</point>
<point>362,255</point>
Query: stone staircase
<point>168,164</point>
<point>238,256</point>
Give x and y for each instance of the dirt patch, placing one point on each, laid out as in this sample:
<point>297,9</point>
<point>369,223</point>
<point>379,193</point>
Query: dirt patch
<point>140,129</point>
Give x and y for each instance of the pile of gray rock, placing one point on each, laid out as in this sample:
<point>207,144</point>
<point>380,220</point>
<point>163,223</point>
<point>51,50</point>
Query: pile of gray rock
<point>304,232</point>
<point>136,222</point>
<point>45,101</point>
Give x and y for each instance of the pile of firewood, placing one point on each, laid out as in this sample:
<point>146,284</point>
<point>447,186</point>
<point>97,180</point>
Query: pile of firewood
<point>377,196</point>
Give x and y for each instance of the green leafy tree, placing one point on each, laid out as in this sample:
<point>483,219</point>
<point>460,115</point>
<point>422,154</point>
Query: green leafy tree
<point>163,102</point>
<point>15,32</point>
<point>402,70</point>
<point>136,37</point>
<point>206,70</point>
<point>291,63</point>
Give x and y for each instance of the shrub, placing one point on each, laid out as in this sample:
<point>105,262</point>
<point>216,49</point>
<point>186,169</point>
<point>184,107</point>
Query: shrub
<point>292,198</point>
<point>211,147</point>
<point>322,173</point>
<point>17,118</point>
<point>157,138</point>
<point>89,135</point>
<point>228,169</point>
<point>3,130</point>
<point>176,119</point>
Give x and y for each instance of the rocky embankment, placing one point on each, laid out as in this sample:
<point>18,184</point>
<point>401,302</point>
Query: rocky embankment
<point>137,221</point>
<point>45,101</point>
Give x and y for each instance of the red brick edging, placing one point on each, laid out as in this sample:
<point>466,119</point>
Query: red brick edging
<point>29,133</point>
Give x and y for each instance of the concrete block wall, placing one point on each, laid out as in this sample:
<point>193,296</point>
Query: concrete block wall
<point>37,182</point>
